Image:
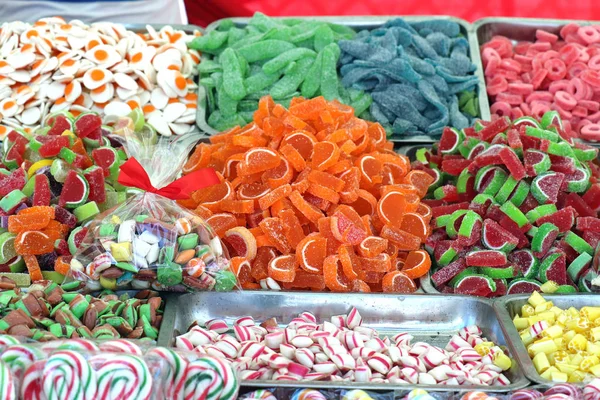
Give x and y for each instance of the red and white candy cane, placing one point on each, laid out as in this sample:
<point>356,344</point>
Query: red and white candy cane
<point>121,346</point>
<point>32,384</point>
<point>68,376</point>
<point>124,377</point>
<point>176,367</point>
<point>8,389</point>
<point>210,378</point>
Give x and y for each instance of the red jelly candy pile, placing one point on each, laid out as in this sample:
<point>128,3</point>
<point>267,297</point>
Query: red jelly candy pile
<point>556,72</point>
<point>315,198</point>
<point>514,208</point>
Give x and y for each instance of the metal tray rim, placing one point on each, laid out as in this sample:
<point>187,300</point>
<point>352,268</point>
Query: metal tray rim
<point>500,306</point>
<point>484,107</point>
<point>167,331</point>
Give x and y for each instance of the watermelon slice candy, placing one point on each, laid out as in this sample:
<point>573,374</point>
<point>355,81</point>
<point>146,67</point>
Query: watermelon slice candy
<point>106,158</point>
<point>501,288</point>
<point>525,261</point>
<point>545,187</point>
<point>486,258</point>
<point>562,219</point>
<point>41,191</point>
<point>88,125</point>
<point>58,124</point>
<point>450,140</point>
<point>95,178</point>
<point>562,164</point>
<point>75,190</point>
<point>447,273</point>
<point>490,156</point>
<point>51,146</point>
<point>592,197</point>
<point>523,286</point>
<point>498,126</point>
<point>554,268</point>
<point>16,180</point>
<point>495,237</point>
<point>475,285</point>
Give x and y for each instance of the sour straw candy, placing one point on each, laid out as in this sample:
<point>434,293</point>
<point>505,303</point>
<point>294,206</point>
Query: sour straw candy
<point>47,312</point>
<point>345,350</point>
<point>556,72</point>
<point>315,198</point>
<point>281,57</point>
<point>515,208</point>
<point>54,66</point>
<point>419,75</point>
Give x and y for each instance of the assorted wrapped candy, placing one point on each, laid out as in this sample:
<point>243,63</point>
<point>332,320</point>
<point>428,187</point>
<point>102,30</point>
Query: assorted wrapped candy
<point>310,200</point>
<point>53,182</point>
<point>149,241</point>
<point>556,72</point>
<point>47,312</point>
<point>52,66</point>
<point>345,350</point>
<point>515,208</point>
<point>112,370</point>
<point>419,75</point>
<point>283,58</point>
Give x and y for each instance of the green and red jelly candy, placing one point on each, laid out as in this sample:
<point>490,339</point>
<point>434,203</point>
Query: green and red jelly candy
<point>75,190</point>
<point>58,124</point>
<point>536,196</point>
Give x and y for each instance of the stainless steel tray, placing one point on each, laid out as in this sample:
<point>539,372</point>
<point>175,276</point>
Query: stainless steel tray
<point>360,23</point>
<point>433,319</point>
<point>507,307</point>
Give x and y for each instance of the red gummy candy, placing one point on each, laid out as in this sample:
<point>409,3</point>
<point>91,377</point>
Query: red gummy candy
<point>486,258</point>
<point>512,163</point>
<point>41,191</point>
<point>496,127</point>
<point>588,224</point>
<point>455,166</point>
<point>59,124</point>
<point>52,146</point>
<point>95,178</point>
<point>16,180</point>
<point>583,209</point>
<point>436,211</point>
<point>563,219</point>
<point>89,125</point>
<point>448,272</point>
<point>592,197</point>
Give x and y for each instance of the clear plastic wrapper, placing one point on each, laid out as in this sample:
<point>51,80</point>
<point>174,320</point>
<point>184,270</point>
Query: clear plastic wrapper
<point>111,370</point>
<point>149,241</point>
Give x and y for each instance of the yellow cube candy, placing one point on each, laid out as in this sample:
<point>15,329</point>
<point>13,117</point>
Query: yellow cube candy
<point>547,316</point>
<point>545,306</point>
<point>548,373</point>
<point>576,359</point>
<point>520,323</point>
<point>560,344</point>
<point>526,338</point>
<point>578,343</point>
<point>542,346</point>
<point>566,368</point>
<point>121,251</point>
<point>527,310</point>
<point>590,313</point>
<point>595,370</point>
<point>569,335</point>
<point>593,348</point>
<point>588,362</point>
<point>554,331</point>
<point>536,299</point>
<point>573,312</point>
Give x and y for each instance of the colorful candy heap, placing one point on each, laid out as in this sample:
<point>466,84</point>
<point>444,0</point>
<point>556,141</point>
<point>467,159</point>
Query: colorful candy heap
<point>279,57</point>
<point>54,66</point>
<point>51,184</point>
<point>563,344</point>
<point>419,75</point>
<point>47,312</point>
<point>553,73</point>
<point>150,242</point>
<point>319,189</point>
<point>561,391</point>
<point>515,205</point>
<point>111,370</point>
<point>346,350</point>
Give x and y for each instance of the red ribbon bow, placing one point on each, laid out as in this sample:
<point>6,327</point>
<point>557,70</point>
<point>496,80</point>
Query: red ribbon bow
<point>132,174</point>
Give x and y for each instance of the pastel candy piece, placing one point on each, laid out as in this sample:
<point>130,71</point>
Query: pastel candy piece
<point>183,226</point>
<point>107,230</point>
<point>127,267</point>
<point>121,251</point>
<point>108,283</point>
<point>188,241</point>
<point>170,274</point>
<point>126,231</point>
<point>140,262</point>
<point>152,255</point>
<point>100,263</point>
<point>184,256</point>
<point>195,267</point>
<point>216,246</point>
<point>140,247</point>
<point>149,237</point>
<point>167,254</point>
<point>140,284</point>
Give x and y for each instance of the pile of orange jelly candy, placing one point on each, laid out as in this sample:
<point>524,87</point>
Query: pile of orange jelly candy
<point>315,198</point>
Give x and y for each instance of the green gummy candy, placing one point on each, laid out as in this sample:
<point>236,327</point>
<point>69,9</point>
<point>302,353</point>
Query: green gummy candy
<point>86,211</point>
<point>107,230</point>
<point>578,244</point>
<point>29,187</point>
<point>505,191</point>
<point>329,77</point>
<point>550,118</point>
<point>59,170</point>
<point>292,79</point>
<point>279,62</point>
<point>540,211</point>
<point>260,81</point>
<point>323,37</point>
<point>67,154</point>
<point>12,200</point>
<point>312,81</point>
<point>520,194</point>
<point>233,80</point>
<point>166,255</point>
<point>541,134</point>
<point>264,50</point>
<point>188,241</point>
<point>209,42</point>
<point>514,214</point>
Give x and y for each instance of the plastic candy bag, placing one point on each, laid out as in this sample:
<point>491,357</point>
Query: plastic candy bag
<point>149,241</point>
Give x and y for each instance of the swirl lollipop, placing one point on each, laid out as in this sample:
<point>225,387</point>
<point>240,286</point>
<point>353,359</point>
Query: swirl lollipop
<point>19,358</point>
<point>32,385</point>
<point>7,340</point>
<point>308,394</point>
<point>124,377</point>
<point>212,379</point>
<point>121,346</point>
<point>176,367</point>
<point>591,391</point>
<point>8,391</point>
<point>261,394</point>
<point>71,344</point>
<point>68,376</point>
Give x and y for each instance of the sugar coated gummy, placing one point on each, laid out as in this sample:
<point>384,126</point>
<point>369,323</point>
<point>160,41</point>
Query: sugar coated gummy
<point>419,75</point>
<point>284,58</point>
<point>513,208</point>
<point>313,197</point>
<point>555,72</point>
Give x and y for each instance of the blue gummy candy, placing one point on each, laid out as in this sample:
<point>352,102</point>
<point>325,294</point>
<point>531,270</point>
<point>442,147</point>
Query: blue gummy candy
<point>440,43</point>
<point>448,28</point>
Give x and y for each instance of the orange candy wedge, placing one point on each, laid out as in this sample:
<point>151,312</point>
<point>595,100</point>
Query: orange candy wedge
<point>314,198</point>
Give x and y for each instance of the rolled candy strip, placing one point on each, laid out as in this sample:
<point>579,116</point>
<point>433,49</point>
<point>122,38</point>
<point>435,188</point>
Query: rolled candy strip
<point>563,388</point>
<point>8,387</point>
<point>210,378</point>
<point>68,376</point>
<point>217,325</point>
<point>176,367</point>
<point>591,391</point>
<point>124,377</point>
<point>526,394</point>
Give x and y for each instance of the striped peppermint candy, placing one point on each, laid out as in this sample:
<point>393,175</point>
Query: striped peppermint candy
<point>8,389</point>
<point>124,377</point>
<point>68,376</point>
<point>121,346</point>
<point>32,384</point>
<point>210,379</point>
<point>175,367</point>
